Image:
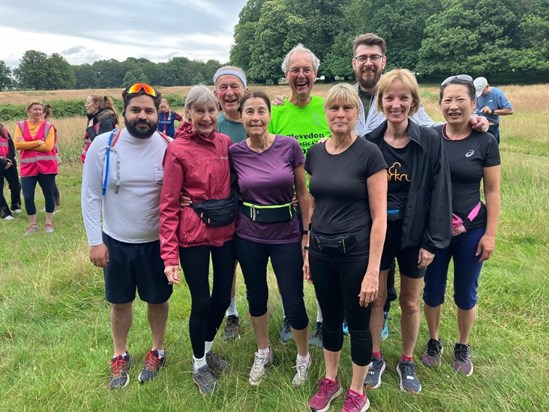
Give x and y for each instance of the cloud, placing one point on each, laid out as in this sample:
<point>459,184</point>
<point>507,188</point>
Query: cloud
<point>197,29</point>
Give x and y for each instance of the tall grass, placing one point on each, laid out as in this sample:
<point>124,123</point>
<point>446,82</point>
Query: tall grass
<point>55,339</point>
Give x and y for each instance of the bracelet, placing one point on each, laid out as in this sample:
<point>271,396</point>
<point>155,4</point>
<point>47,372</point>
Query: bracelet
<point>493,111</point>
<point>306,247</point>
<point>305,232</point>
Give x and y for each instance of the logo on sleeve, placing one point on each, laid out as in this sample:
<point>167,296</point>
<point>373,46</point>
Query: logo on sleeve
<point>470,153</point>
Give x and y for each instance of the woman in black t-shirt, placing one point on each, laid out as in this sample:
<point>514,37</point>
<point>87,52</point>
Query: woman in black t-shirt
<point>348,186</point>
<point>473,157</point>
<point>418,215</point>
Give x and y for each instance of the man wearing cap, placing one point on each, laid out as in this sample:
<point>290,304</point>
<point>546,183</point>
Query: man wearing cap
<point>230,86</point>
<point>491,103</point>
<point>120,202</point>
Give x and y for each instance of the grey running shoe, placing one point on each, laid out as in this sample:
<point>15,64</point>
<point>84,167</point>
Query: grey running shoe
<point>302,371</point>
<point>373,377</point>
<point>462,359</point>
<point>119,371</point>
<point>205,380</point>
<point>216,364</point>
<point>327,391</point>
<point>433,353</point>
<point>49,229</point>
<point>355,402</point>
<point>151,366</point>
<point>285,332</point>
<point>385,330</point>
<point>7,217</point>
<point>409,382</point>
<point>31,229</point>
<point>232,328</point>
<point>316,338</point>
<point>258,371</point>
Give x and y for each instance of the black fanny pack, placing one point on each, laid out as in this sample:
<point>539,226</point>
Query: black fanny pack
<point>339,244</point>
<point>217,212</point>
<point>268,213</point>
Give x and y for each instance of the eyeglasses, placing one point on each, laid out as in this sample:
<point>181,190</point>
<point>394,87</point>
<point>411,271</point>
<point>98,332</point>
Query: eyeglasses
<point>137,87</point>
<point>296,70</point>
<point>374,58</point>
<point>462,77</point>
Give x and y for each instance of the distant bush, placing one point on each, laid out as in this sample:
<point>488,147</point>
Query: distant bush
<point>71,108</point>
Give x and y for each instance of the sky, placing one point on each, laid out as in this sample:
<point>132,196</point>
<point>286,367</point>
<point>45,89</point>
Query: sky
<point>87,31</point>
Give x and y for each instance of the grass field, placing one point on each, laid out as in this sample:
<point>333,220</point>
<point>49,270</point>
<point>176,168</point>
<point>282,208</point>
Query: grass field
<point>55,339</point>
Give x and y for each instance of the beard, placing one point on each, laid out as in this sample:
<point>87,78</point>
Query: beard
<point>368,83</point>
<point>141,129</point>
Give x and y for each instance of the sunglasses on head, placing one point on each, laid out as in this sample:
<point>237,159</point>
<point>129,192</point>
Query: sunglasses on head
<point>462,77</point>
<point>137,87</point>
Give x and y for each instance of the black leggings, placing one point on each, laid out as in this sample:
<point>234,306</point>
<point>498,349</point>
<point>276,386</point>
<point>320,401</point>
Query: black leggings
<point>337,286</point>
<point>287,262</point>
<point>12,178</point>
<point>46,182</point>
<point>207,311</point>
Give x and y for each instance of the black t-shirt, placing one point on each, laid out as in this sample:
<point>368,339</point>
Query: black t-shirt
<point>467,158</point>
<point>399,174</point>
<point>338,184</point>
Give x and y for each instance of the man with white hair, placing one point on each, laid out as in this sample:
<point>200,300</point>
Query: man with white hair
<point>491,103</point>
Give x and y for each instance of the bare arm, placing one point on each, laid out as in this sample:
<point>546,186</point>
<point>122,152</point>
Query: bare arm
<point>491,179</point>
<point>377,195</point>
<point>307,239</point>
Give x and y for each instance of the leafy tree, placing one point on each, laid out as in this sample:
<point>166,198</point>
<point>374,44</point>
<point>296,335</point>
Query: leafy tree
<point>244,33</point>
<point>60,73</point>
<point>109,73</point>
<point>33,70</point>
<point>129,79</point>
<point>198,79</point>
<point>86,77</point>
<point>5,76</point>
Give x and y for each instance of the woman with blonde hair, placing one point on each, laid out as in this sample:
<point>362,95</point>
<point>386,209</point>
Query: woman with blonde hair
<point>348,187</point>
<point>418,215</point>
<point>35,140</point>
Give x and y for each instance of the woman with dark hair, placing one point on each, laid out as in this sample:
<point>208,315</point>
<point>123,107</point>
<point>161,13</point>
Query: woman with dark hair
<point>8,170</point>
<point>418,215</point>
<point>348,185</point>
<point>196,166</point>
<point>267,168</point>
<point>35,140</point>
<point>102,118</point>
<point>473,158</point>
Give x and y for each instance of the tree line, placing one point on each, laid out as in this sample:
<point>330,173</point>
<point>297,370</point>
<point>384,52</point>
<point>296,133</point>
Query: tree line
<point>504,39</point>
<point>507,39</point>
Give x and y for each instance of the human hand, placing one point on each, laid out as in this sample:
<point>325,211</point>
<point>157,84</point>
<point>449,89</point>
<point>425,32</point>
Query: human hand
<point>369,287</point>
<point>479,123</point>
<point>99,255</point>
<point>306,268</point>
<point>486,247</point>
<point>486,110</point>
<point>172,274</point>
<point>295,203</point>
<point>424,258</point>
<point>278,100</point>
<point>8,164</point>
<point>185,201</point>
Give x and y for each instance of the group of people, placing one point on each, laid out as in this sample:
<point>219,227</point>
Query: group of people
<point>332,190</point>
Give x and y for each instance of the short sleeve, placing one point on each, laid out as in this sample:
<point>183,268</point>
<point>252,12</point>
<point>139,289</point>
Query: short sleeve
<point>375,160</point>
<point>297,154</point>
<point>492,156</point>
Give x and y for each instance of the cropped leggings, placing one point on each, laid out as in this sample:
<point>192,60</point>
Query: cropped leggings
<point>207,311</point>
<point>337,284</point>
<point>287,264</point>
<point>46,182</point>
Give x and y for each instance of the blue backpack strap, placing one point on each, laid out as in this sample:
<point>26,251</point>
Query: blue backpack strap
<point>107,159</point>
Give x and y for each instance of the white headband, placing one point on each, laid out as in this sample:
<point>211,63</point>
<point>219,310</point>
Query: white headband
<point>225,72</point>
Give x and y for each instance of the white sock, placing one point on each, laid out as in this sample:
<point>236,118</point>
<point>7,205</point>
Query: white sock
<point>231,310</point>
<point>198,363</point>
<point>303,358</point>
<point>319,318</point>
<point>207,347</point>
<point>264,352</point>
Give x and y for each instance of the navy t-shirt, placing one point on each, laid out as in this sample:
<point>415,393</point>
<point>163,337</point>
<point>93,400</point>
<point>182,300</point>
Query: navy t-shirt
<point>399,174</point>
<point>338,184</point>
<point>467,158</point>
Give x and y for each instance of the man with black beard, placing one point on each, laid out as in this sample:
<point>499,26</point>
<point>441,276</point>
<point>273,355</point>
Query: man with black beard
<point>120,206</point>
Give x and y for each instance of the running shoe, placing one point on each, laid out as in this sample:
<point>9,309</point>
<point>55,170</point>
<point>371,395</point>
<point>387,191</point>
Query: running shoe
<point>119,371</point>
<point>433,353</point>
<point>302,371</point>
<point>259,368</point>
<point>409,382</point>
<point>355,402</point>
<point>232,328</point>
<point>316,338</point>
<point>285,331</point>
<point>205,380</point>
<point>328,390</point>
<point>151,366</point>
<point>217,364</point>
<point>462,359</point>
<point>373,377</point>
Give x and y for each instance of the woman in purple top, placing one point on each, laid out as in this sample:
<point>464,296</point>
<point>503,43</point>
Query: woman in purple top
<point>268,167</point>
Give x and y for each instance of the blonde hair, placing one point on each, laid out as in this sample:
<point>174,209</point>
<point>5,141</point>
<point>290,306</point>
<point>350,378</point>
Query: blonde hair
<point>342,93</point>
<point>33,103</point>
<point>408,80</point>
